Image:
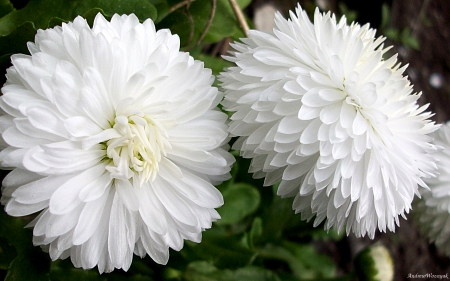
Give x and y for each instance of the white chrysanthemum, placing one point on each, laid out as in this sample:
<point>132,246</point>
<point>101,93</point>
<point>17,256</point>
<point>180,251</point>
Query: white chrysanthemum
<point>114,133</point>
<point>318,108</point>
<point>433,211</point>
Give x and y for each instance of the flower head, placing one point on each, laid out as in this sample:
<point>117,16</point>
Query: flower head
<point>319,109</point>
<point>433,210</point>
<point>114,134</point>
<point>374,263</point>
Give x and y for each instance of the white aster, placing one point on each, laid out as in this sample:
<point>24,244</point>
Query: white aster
<point>319,109</point>
<point>115,135</point>
<point>433,211</point>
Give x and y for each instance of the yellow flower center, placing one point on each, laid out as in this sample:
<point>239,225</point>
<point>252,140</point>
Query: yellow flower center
<point>140,148</point>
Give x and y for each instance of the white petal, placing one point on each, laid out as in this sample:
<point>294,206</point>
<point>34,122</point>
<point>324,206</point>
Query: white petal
<point>359,124</point>
<point>39,190</point>
<point>80,126</point>
<point>175,205</point>
<point>127,194</point>
<point>66,197</point>
<point>150,209</point>
<point>118,247</point>
<point>16,209</point>
<point>89,220</point>
<point>96,188</point>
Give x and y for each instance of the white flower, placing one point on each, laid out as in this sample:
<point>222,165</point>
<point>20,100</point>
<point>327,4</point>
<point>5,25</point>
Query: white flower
<point>317,107</point>
<point>433,211</point>
<point>114,133</point>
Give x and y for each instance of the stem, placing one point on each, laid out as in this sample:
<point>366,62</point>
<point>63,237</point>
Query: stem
<point>240,16</point>
<point>208,23</point>
<point>191,22</point>
<point>179,5</point>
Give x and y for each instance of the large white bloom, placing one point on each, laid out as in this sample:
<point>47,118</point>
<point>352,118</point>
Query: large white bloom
<point>114,133</point>
<point>433,211</point>
<point>317,107</point>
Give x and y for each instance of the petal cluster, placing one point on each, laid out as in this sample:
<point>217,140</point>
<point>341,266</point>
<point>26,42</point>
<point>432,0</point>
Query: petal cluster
<point>318,108</point>
<point>433,211</point>
<point>115,136</point>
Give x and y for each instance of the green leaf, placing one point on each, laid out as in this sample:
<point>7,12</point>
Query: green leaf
<point>179,23</point>
<point>204,271</point>
<point>7,254</point>
<point>219,249</point>
<point>171,273</point>
<point>251,273</point>
<point>225,22</point>
<point>407,38</point>
<point>16,42</point>
<point>30,263</point>
<point>195,20</point>
<point>63,270</point>
<point>332,234</point>
<point>302,259</point>
<point>274,252</point>
<point>255,232</point>
<point>217,65</point>
<point>41,12</point>
<point>162,6</point>
<point>243,3</point>
<point>275,224</point>
<point>241,199</point>
<point>315,264</point>
<point>5,7</point>
<point>385,16</point>
<point>391,33</point>
<point>351,15</point>
<point>238,33</point>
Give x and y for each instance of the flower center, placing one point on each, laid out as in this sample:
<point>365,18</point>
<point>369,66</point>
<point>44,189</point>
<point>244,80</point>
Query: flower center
<point>140,148</point>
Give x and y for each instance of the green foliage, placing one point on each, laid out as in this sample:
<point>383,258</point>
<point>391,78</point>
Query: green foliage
<point>255,233</point>
<point>220,249</point>
<point>241,199</point>
<point>7,253</point>
<point>203,271</point>
<point>18,255</point>
<point>404,36</point>
<point>5,7</point>
<point>15,42</point>
<point>190,21</point>
<point>62,271</point>
<point>217,65</point>
<point>351,15</point>
<point>41,12</point>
